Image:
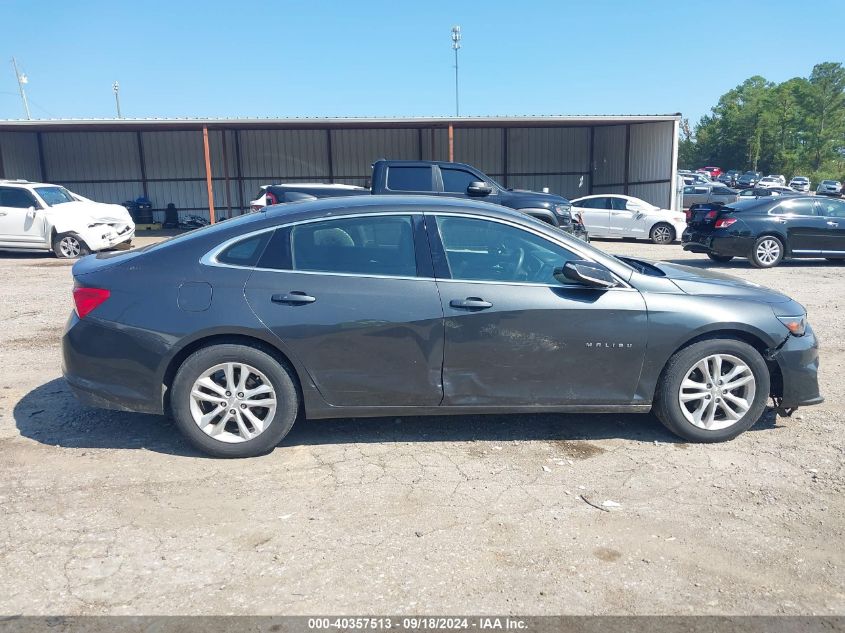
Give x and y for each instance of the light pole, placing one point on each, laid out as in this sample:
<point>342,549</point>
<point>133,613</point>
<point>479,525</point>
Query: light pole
<point>22,79</point>
<point>116,87</point>
<point>456,44</point>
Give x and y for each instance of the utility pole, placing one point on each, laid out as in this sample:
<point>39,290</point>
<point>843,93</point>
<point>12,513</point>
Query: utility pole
<point>22,79</point>
<point>116,87</point>
<point>456,44</point>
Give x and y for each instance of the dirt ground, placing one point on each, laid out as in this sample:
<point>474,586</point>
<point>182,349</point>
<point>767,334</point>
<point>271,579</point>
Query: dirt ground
<point>112,513</point>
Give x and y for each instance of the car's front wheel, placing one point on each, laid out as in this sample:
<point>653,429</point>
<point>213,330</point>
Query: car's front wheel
<point>712,390</point>
<point>234,400</point>
<point>767,252</point>
<point>69,246</point>
<point>662,233</point>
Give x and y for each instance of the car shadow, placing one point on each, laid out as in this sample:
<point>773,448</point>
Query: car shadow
<point>745,264</point>
<point>51,415</point>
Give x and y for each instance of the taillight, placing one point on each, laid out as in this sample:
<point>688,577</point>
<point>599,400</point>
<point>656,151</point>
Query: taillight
<point>688,213</point>
<point>86,299</point>
<point>724,223</point>
<point>711,215</point>
<point>270,198</point>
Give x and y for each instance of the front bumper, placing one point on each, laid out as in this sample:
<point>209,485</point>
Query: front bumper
<point>101,237</point>
<point>798,361</point>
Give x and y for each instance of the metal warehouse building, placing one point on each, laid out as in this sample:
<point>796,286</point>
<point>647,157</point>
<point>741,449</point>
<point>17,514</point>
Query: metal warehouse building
<point>217,165</point>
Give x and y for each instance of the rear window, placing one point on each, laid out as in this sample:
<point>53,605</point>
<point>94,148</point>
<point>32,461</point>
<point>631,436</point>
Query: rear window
<point>409,178</point>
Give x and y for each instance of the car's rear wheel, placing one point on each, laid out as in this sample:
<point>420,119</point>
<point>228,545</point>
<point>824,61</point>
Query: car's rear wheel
<point>69,246</point>
<point>662,233</point>
<point>722,259</point>
<point>767,252</point>
<point>712,390</point>
<point>234,400</point>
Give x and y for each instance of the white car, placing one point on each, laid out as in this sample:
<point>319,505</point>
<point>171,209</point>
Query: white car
<point>40,216</point>
<point>770,181</point>
<point>780,178</point>
<point>615,215</point>
<point>800,183</point>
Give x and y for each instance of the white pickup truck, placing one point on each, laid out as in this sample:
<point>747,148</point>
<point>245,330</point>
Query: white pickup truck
<point>39,216</point>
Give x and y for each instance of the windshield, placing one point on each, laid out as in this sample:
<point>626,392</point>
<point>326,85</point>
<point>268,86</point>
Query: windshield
<point>54,195</point>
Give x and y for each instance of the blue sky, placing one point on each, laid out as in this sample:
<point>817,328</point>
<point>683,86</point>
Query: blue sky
<point>393,58</point>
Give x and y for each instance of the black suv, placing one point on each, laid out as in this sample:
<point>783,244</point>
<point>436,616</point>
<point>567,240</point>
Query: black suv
<point>767,230</point>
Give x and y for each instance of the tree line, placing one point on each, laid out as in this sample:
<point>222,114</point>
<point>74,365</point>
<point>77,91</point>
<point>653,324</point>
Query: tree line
<point>795,128</point>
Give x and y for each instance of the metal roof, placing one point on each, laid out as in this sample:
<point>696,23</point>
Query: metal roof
<point>21,125</point>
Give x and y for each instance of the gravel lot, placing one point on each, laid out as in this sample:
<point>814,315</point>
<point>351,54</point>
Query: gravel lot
<point>106,512</point>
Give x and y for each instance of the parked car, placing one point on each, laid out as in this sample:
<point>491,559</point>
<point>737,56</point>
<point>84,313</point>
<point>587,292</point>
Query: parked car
<point>615,215</point>
<point>697,179</point>
<point>763,192</point>
<point>731,177</point>
<point>770,181</point>
<point>458,180</point>
<point>277,194</point>
<point>770,229</point>
<point>699,194</point>
<point>37,216</point>
<point>749,179</point>
<point>713,172</point>
<point>780,178</point>
<point>800,183</point>
<point>829,188</point>
<point>413,305</point>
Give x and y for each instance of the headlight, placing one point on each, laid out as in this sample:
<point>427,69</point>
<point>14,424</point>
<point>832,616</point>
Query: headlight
<point>563,209</point>
<point>796,325</point>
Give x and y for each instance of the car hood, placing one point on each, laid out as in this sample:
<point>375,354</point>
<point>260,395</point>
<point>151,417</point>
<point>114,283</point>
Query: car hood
<point>91,211</point>
<point>695,281</point>
<point>525,197</point>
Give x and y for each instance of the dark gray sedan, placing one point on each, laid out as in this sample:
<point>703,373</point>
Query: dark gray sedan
<point>375,306</point>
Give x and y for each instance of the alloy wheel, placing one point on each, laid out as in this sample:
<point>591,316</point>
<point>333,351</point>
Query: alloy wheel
<point>717,392</point>
<point>662,234</point>
<point>70,247</point>
<point>768,251</point>
<point>233,402</point>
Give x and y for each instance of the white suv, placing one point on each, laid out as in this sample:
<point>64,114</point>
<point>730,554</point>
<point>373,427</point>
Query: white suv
<point>38,216</point>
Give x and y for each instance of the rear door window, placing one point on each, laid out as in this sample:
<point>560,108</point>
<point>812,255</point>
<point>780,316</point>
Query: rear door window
<point>831,208</point>
<point>373,245</point>
<point>795,207</point>
<point>410,178</point>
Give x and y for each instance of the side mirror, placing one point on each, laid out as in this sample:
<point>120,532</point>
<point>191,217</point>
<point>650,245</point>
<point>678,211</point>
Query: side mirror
<point>586,273</point>
<point>479,188</point>
<point>31,211</point>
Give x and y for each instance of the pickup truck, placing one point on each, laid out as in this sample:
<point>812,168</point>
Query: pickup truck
<point>438,178</point>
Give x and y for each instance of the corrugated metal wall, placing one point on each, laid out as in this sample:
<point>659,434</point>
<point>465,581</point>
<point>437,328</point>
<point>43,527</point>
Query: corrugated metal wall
<point>170,166</point>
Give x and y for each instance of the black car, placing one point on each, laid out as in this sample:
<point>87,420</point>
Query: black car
<point>390,305</point>
<point>767,230</point>
<point>749,179</point>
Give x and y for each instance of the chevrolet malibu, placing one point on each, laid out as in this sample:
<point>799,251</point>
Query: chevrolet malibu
<point>369,306</point>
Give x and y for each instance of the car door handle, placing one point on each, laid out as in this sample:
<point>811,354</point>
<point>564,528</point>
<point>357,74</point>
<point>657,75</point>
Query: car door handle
<point>833,223</point>
<point>295,297</point>
<point>471,303</point>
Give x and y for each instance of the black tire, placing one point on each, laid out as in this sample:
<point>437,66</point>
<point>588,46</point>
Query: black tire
<point>662,233</point>
<point>280,376</point>
<point>667,407</point>
<point>69,246</point>
<point>760,245</point>
<point>722,259</point>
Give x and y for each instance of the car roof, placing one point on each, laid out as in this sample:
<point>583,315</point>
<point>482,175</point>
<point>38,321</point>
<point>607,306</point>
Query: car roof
<point>24,183</point>
<point>350,205</point>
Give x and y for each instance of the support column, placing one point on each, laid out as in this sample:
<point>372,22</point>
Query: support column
<point>208,173</point>
<point>142,163</point>
<point>226,174</point>
<point>627,155</point>
<point>451,143</point>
